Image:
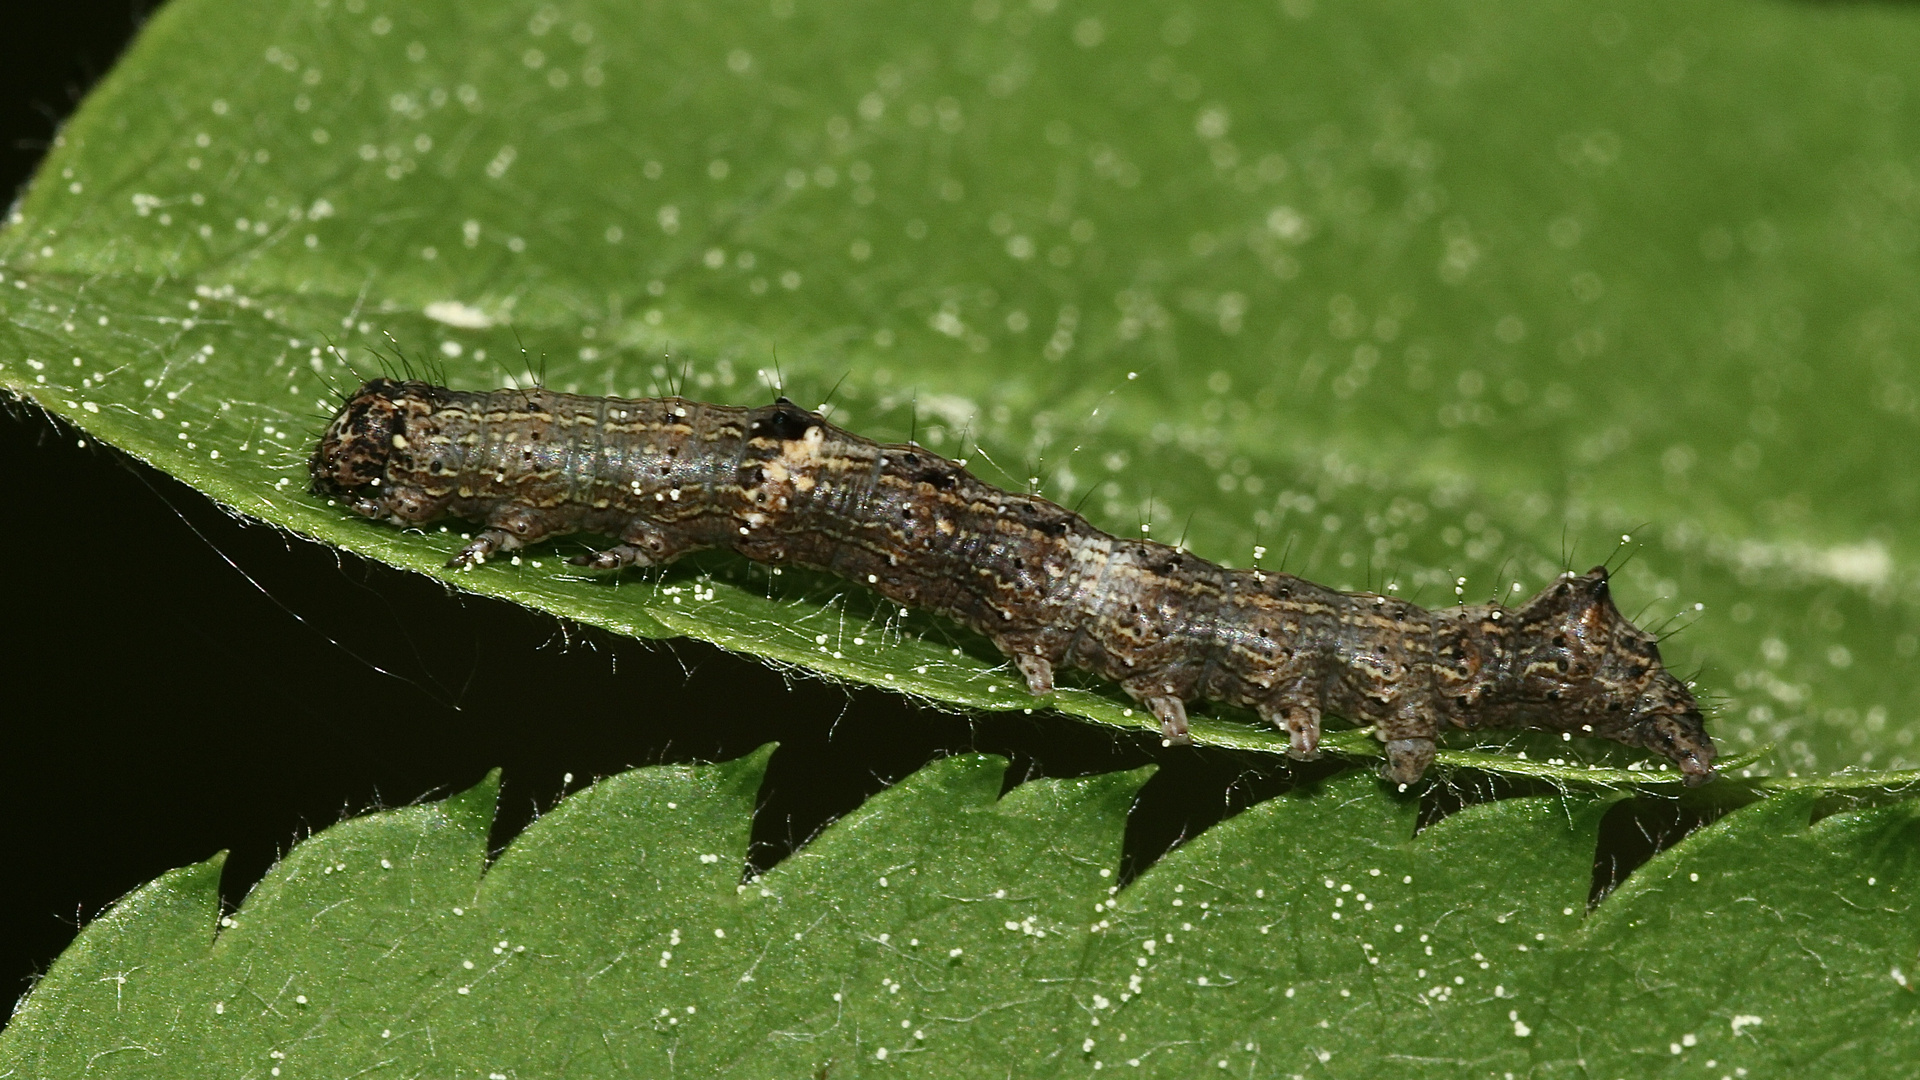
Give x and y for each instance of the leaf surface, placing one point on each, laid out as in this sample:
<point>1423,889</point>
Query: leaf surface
<point>1406,296</point>
<point>942,930</point>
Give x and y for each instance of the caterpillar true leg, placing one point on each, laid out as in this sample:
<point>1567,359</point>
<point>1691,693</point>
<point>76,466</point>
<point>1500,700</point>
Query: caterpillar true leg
<point>1038,672</point>
<point>1407,760</point>
<point>1302,725</point>
<point>511,527</point>
<point>613,558</point>
<point>482,546</point>
<point>646,544</point>
<point>1172,714</point>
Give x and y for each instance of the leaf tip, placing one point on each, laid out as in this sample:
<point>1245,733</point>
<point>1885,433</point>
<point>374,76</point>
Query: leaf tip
<point>473,809</point>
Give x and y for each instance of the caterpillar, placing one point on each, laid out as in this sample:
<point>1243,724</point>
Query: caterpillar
<point>780,485</point>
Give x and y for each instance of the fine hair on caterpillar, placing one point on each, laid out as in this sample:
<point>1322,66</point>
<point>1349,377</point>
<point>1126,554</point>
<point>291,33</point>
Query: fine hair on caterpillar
<point>780,485</point>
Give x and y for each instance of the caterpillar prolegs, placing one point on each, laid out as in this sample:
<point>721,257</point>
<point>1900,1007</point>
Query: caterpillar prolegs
<point>780,485</point>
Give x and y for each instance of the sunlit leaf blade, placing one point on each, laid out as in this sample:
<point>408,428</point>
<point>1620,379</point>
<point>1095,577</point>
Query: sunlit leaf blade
<point>1764,921</point>
<point>1404,296</point>
<point>942,930</point>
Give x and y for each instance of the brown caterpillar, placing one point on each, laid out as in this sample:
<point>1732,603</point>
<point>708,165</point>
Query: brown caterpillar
<point>781,485</point>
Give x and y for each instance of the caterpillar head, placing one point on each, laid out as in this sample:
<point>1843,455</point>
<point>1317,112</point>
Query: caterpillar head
<point>1601,675</point>
<point>352,456</point>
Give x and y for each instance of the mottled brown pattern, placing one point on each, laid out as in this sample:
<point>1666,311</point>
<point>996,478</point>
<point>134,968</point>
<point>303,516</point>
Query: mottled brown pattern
<point>780,485</point>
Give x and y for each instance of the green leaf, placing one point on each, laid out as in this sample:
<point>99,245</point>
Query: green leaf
<point>944,931</point>
<point>1412,296</point>
<point>1764,919</point>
